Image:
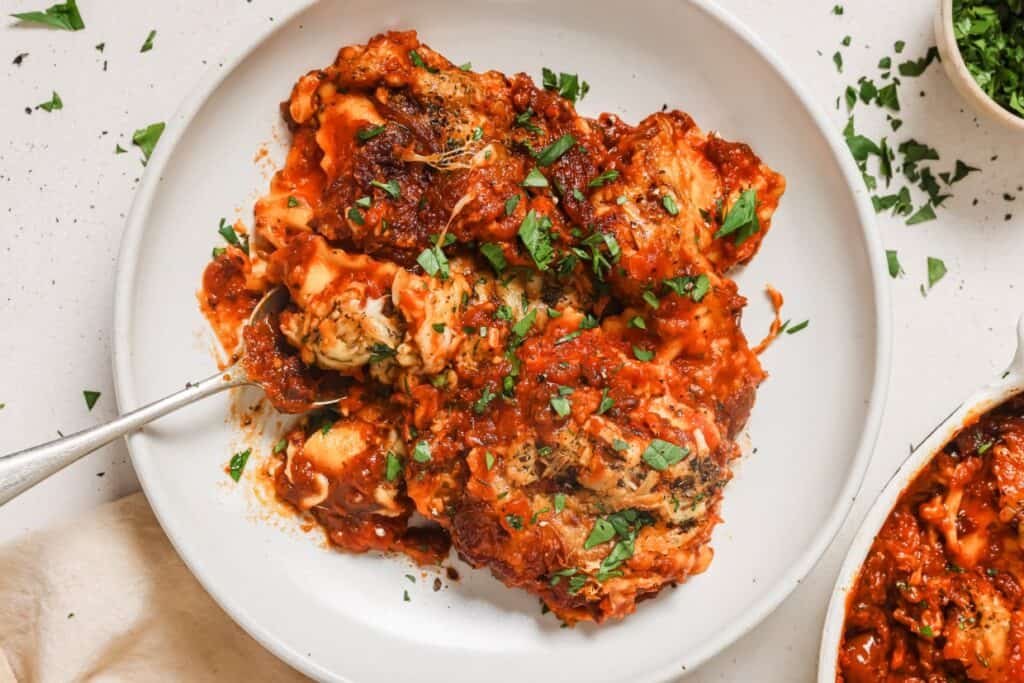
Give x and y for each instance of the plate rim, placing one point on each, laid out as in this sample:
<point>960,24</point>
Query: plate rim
<point>126,395</point>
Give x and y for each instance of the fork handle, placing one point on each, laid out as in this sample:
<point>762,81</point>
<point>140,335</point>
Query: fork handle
<point>24,469</point>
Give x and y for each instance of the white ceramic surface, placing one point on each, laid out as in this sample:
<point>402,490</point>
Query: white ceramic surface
<point>991,395</point>
<point>339,617</point>
<point>956,69</point>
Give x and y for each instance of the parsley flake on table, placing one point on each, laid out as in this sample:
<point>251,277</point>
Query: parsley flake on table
<point>54,103</point>
<point>148,44</point>
<point>146,138</point>
<point>837,59</point>
<point>237,464</point>
<point>64,16</point>
<point>90,398</point>
<point>936,271</point>
<point>893,262</point>
<point>837,10</point>
<point>924,214</point>
<point>916,67</point>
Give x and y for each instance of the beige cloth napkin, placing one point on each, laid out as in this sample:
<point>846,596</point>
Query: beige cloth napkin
<point>107,599</point>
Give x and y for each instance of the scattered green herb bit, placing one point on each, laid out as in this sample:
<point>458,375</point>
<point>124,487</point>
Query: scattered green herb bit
<point>837,59</point>
<point>885,63</point>
<point>602,532</point>
<point>621,199</point>
<point>146,138</point>
<point>661,455</point>
<point>555,150</point>
<point>280,446</point>
<point>567,85</point>
<point>494,255</point>
<point>837,10</point>
<point>438,327</point>
<point>895,269</point>
<point>742,218</point>
<point>392,467</point>
<point>365,134</point>
<point>356,216</point>
<point>100,46</point>
<point>485,398</point>
<point>694,287</point>
<point>421,453</point>
<point>380,352</point>
<point>799,326</point>
<point>868,90</point>
<point>523,121</point>
<point>960,172</point>
<point>619,445</point>
<point>237,464</point>
<point>466,66</point>
<point>651,299</point>
<point>217,252</point>
<point>514,521</point>
<point>916,67</point>
<point>669,202</point>
<point>535,234</point>
<point>926,631</point>
<point>557,576</point>
<point>862,147</point>
<point>607,402</point>
<point>148,44</point>
<point>888,97</point>
<point>64,16</point>
<point>642,355</point>
<point>559,502</point>
<point>846,41</point>
<point>440,381</point>
<point>992,571</point>
<point>511,203</point>
<point>434,262</point>
<point>578,196</point>
<point>489,460</point>
<point>900,203</point>
<point>54,103</point>
<point>292,202</point>
<point>603,179</point>
<point>227,231</point>
<point>924,214</point>
<point>985,446</point>
<point>522,328</point>
<point>478,133</point>
<point>851,97</point>
<point>561,405</point>
<point>936,271</point>
<point>914,152</point>
<point>405,596</point>
<point>899,45</point>
<point>417,60</point>
<point>885,161</point>
<point>535,179</point>
<point>362,202</point>
<point>118,149</point>
<point>391,188</point>
<point>567,338</point>
<point>638,322</point>
<point>90,398</point>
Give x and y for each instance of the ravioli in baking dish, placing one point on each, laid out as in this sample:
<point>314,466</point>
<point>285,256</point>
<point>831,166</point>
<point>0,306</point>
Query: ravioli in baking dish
<point>528,311</point>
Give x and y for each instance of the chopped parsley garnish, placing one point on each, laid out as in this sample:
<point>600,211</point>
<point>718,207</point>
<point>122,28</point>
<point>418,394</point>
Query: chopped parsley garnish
<point>607,402</point>
<point>237,464</point>
<point>434,262</point>
<point>916,67</point>
<point>280,446</point>
<point>91,397</point>
<point>960,172</point>
<point>523,121</point>
<point>936,271</point>
<point>392,467</point>
<point>638,322</point>
<point>417,60</point>
<point>555,150</point>
<point>661,455</point>
<point>522,328</point>
<point>227,231</point>
<point>567,85</point>
<point>893,261</point>
<point>118,149</point>
<point>421,453</point>
<point>669,202</point>
<point>380,352</point>
<point>356,216</point>
<point>985,446</point>
<point>561,405</point>
<point>534,179</point>
<point>927,631</point>
<point>651,299</point>
<point>391,188</point>
<point>603,179</point>
<point>489,460</point>
<point>485,398</point>
<point>602,532</point>
<point>362,202</point>
<point>898,46</point>
<point>694,287</point>
<point>217,252</point>
<point>559,502</point>
<point>796,328</point>
<point>478,133</point>
<point>438,327</point>
<point>64,16</point>
<point>466,66</point>
<point>365,134</point>
<point>535,234</point>
<point>54,103</point>
<point>292,202</point>
<point>405,596</point>
<point>837,59</point>
<point>742,218</point>
<point>148,44</point>
<point>514,521</point>
<point>924,214</point>
<point>495,256</point>
<point>837,10</point>
<point>619,445</point>
<point>511,203</point>
<point>146,138</point>
<point>642,355</point>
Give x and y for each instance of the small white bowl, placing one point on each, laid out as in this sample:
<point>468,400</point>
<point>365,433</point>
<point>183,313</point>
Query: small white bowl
<point>953,63</point>
<point>1010,384</point>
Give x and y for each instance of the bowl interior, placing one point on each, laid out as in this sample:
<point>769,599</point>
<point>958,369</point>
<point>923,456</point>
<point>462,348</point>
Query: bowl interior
<point>339,616</point>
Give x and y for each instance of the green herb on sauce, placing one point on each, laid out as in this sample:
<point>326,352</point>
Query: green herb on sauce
<point>237,464</point>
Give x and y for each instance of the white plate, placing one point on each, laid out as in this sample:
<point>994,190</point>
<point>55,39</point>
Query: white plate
<point>342,617</point>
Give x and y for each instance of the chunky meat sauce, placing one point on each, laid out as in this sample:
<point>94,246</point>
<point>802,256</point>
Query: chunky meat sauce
<point>939,597</point>
<point>533,314</point>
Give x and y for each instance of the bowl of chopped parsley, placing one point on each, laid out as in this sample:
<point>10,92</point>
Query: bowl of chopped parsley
<point>982,47</point>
